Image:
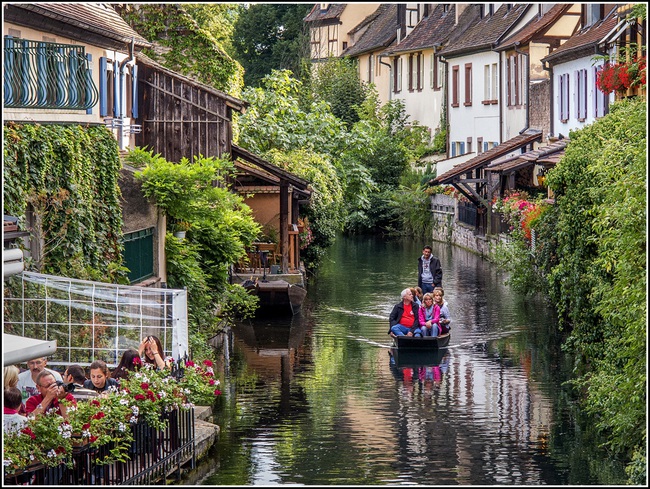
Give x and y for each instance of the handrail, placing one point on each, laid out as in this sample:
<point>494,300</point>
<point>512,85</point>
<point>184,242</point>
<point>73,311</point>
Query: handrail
<point>46,75</point>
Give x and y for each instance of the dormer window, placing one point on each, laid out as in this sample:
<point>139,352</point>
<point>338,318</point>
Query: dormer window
<point>324,7</point>
<point>486,10</point>
<point>592,13</point>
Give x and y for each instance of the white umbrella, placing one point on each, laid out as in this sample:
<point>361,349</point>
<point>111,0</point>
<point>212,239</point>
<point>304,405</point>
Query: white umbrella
<point>18,349</point>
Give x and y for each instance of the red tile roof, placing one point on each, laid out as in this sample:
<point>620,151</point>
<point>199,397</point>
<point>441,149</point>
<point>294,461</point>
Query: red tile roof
<point>432,30</point>
<point>584,40</point>
<point>535,27</point>
<point>547,154</point>
<point>381,31</point>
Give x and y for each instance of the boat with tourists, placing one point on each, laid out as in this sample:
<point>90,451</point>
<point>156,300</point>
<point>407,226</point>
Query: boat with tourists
<point>421,343</point>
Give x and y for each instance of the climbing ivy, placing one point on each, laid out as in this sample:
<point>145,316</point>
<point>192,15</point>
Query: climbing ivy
<point>68,176</point>
<point>183,46</point>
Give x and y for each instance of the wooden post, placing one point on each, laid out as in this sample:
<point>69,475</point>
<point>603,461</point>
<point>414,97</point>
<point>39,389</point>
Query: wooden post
<point>284,224</point>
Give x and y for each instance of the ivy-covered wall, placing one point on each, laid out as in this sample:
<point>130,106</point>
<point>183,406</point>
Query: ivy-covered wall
<point>62,182</point>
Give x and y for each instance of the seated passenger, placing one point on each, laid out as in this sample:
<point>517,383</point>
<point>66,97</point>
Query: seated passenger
<point>12,420</point>
<point>445,317</point>
<point>75,375</point>
<point>48,397</point>
<point>404,318</point>
<point>429,316</point>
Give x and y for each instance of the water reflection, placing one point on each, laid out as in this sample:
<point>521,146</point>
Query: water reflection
<point>320,398</point>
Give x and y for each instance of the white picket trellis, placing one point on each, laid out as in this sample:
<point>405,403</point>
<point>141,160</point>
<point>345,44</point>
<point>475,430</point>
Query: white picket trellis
<point>93,320</point>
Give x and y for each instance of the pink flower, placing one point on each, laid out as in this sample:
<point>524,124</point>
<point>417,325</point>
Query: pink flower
<point>144,386</point>
<point>212,382</point>
<point>217,392</point>
<point>189,363</point>
<point>137,361</point>
<point>207,363</point>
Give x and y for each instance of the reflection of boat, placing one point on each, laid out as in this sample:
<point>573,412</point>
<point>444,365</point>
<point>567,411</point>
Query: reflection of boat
<point>277,295</point>
<point>417,357</point>
<point>425,343</point>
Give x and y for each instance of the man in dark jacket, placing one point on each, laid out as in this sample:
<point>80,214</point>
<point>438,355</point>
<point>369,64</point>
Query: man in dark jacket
<point>429,271</point>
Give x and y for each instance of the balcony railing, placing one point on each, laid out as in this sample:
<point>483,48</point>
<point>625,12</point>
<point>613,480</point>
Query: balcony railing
<point>153,457</point>
<point>45,75</point>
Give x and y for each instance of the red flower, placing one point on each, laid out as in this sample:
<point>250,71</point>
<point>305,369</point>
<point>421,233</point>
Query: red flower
<point>151,395</point>
<point>93,439</point>
<point>144,386</point>
<point>189,363</point>
<point>207,363</point>
<point>137,361</point>
<point>212,382</point>
<point>95,402</point>
<point>86,426</point>
<point>217,392</point>
<point>139,397</point>
<point>29,432</point>
<point>98,415</point>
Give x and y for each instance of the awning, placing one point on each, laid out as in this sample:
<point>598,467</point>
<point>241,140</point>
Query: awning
<point>547,155</point>
<point>484,159</point>
<point>18,349</point>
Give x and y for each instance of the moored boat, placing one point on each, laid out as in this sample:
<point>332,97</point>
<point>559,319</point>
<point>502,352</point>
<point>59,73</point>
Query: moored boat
<point>278,296</point>
<point>423,343</point>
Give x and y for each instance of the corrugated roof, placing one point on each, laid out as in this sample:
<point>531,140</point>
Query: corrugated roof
<point>585,39</point>
<point>536,26</point>
<point>485,32</point>
<point>490,155</point>
<point>432,30</point>
<point>330,15</point>
<point>99,18</point>
<point>381,31</point>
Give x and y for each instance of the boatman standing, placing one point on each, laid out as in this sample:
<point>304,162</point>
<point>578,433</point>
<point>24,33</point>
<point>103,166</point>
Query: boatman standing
<point>429,271</point>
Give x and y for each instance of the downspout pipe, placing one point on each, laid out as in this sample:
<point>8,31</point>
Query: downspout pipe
<point>527,87</point>
<point>123,90</point>
<point>446,100</point>
<point>390,70</point>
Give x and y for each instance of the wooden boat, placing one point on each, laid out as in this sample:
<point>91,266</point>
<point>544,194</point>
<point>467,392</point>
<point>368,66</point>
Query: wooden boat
<point>424,343</point>
<point>278,296</point>
<point>418,357</point>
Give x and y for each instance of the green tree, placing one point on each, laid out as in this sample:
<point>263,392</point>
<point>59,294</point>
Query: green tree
<point>337,82</point>
<point>220,228</point>
<point>218,19</point>
<point>270,36</point>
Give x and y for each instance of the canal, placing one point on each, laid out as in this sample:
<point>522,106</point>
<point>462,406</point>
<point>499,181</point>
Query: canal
<point>318,398</point>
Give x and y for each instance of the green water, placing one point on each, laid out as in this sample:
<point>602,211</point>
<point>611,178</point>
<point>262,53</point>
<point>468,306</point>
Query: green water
<point>318,399</point>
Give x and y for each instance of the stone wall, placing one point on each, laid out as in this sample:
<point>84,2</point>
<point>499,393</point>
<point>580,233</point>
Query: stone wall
<point>447,229</point>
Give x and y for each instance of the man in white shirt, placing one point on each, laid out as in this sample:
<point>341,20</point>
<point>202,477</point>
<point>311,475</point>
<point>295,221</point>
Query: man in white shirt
<point>27,379</point>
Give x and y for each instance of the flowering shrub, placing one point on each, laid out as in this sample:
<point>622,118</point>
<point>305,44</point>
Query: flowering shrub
<point>146,394</point>
<point>152,393</point>
<point>199,384</point>
<point>519,212</point>
<point>103,420</point>
<point>621,76</point>
<point>46,439</point>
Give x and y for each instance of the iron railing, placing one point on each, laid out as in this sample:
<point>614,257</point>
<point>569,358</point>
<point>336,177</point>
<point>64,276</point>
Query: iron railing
<point>46,75</point>
<point>154,456</point>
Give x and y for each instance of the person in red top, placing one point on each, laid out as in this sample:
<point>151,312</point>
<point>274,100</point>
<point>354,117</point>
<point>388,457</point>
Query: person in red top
<point>49,396</point>
<point>404,318</point>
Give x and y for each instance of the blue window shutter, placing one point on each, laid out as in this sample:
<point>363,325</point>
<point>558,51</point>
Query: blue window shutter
<point>453,149</point>
<point>116,89</point>
<point>462,148</point>
<point>9,69</point>
<point>122,94</point>
<point>485,145</point>
<point>134,92</point>
<point>103,86</point>
<point>89,80</point>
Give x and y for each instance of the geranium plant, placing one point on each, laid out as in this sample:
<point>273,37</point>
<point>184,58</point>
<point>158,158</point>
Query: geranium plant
<point>199,383</point>
<point>520,212</point>
<point>152,394</point>
<point>619,77</point>
<point>104,420</point>
<point>46,439</point>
